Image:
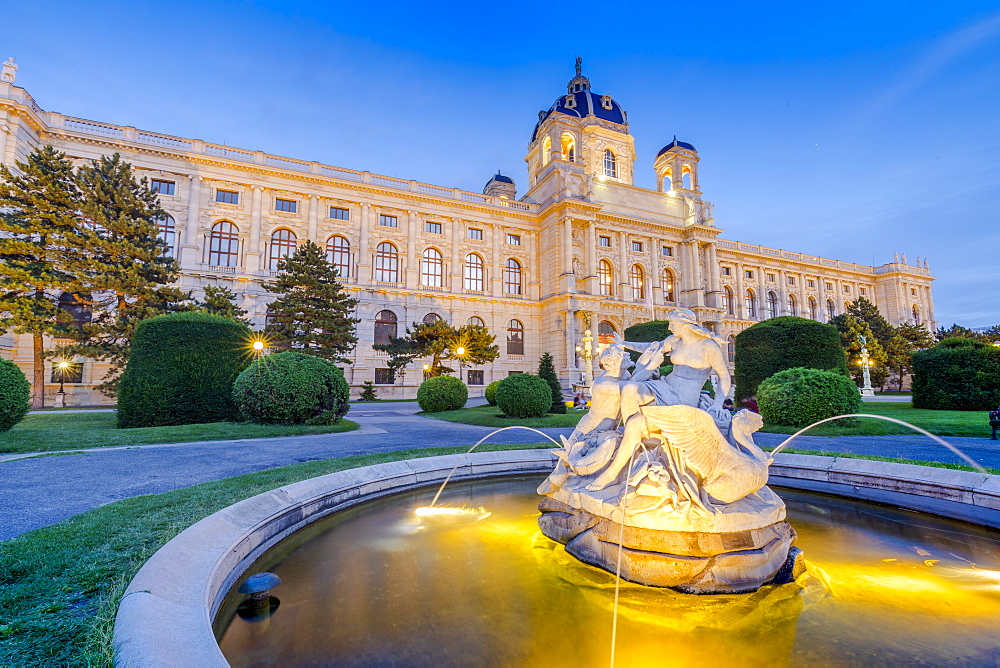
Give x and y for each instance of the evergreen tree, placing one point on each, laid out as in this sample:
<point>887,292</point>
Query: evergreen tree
<point>368,392</point>
<point>959,330</point>
<point>220,300</point>
<point>851,330</point>
<point>312,314</point>
<point>908,340</point>
<point>863,309</point>
<point>42,250</point>
<point>547,372</point>
<point>441,342</point>
<point>128,272</point>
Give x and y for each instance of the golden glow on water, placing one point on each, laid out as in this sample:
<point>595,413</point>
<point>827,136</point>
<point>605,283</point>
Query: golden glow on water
<point>473,582</point>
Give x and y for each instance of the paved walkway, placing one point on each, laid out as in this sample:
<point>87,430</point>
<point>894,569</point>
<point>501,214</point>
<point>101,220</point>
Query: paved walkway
<point>39,491</point>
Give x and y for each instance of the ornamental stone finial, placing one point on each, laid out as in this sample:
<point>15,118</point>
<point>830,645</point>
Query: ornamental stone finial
<point>9,72</point>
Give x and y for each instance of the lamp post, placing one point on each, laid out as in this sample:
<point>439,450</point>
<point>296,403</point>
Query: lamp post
<point>61,396</point>
<point>867,390</point>
<point>586,351</point>
<point>460,352</point>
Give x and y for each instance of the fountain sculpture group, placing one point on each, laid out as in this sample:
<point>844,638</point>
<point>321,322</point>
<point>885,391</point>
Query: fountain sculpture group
<point>661,483</point>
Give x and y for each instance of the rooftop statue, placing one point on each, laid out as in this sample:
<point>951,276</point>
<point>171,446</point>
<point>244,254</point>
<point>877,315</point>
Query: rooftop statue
<point>661,464</point>
<point>8,73</point>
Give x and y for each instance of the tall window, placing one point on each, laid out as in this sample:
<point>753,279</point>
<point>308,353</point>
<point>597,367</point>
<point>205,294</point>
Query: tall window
<point>916,315</point>
<point>727,300</point>
<point>568,148</point>
<point>76,306</point>
<point>432,268</point>
<point>477,321</point>
<point>431,318</point>
<point>282,245</point>
<point>605,332</point>
<point>385,327</point>
<point>546,150</point>
<point>386,263</point>
<point>731,350</point>
<point>604,278</point>
<point>338,254</point>
<point>637,281</point>
<point>813,309</point>
<point>224,245</point>
<point>475,273</point>
<point>512,277</point>
<point>669,294</point>
<point>831,309</point>
<point>751,304</point>
<point>772,305</point>
<point>167,233</point>
<point>793,305</point>
<point>610,163</point>
<point>515,338</point>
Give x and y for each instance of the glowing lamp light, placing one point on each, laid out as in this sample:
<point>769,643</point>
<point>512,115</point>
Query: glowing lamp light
<point>427,367</point>
<point>63,365</point>
<point>460,350</point>
<point>258,345</point>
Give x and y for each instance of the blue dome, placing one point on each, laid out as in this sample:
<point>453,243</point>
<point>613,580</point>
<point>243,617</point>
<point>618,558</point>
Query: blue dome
<point>676,144</point>
<point>500,178</point>
<point>581,104</point>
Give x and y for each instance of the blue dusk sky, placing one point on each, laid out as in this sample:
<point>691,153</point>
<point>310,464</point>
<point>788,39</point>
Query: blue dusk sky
<point>850,130</point>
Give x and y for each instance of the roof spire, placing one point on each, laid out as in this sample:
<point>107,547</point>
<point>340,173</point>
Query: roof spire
<point>579,66</point>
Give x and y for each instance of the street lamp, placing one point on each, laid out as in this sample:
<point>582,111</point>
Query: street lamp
<point>460,352</point>
<point>867,390</point>
<point>61,396</point>
<point>586,351</point>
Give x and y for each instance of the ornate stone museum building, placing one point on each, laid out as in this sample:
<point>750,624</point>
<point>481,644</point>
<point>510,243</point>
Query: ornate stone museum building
<point>581,247</point>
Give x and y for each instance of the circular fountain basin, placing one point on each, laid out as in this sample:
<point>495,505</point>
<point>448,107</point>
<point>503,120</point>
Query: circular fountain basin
<point>929,584</point>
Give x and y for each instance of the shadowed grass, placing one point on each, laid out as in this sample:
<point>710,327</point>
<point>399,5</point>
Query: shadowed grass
<point>490,416</point>
<point>71,431</point>
<point>941,423</point>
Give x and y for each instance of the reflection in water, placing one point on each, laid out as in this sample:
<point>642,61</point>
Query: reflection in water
<point>378,585</point>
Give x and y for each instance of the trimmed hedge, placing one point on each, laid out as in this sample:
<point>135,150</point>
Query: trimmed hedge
<point>647,332</point>
<point>491,393</point>
<point>442,393</point>
<point>524,395</point>
<point>798,397</point>
<point>291,388</point>
<point>181,370</point>
<point>785,342</point>
<point>15,394</point>
<point>957,374</point>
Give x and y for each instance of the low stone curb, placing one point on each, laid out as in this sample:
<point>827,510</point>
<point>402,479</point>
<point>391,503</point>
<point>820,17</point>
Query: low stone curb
<point>165,617</point>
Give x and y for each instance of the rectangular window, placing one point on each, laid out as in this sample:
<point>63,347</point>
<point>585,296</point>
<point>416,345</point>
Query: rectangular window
<point>791,280</point>
<point>847,289</point>
<point>770,277</point>
<point>913,292</point>
<point>604,241</point>
<point>385,377</point>
<point>637,246</point>
<point>71,373</point>
<point>667,251</point>
<point>388,221</point>
<point>513,373</point>
<point>810,283</point>
<point>286,205</point>
<point>432,228</point>
<point>829,285</point>
<point>475,233</point>
<point>475,377</point>
<point>340,213</point>
<point>727,271</point>
<point>747,274</point>
<point>162,187</point>
<point>514,239</point>
<point>227,196</point>
<point>864,291</point>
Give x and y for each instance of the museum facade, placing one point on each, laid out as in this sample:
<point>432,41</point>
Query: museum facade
<point>582,248</point>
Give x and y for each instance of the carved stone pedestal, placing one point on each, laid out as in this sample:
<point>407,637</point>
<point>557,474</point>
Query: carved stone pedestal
<point>688,561</point>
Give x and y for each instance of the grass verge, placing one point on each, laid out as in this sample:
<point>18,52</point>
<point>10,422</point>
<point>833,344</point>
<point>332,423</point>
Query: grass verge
<point>941,423</point>
<point>490,416</point>
<point>59,431</point>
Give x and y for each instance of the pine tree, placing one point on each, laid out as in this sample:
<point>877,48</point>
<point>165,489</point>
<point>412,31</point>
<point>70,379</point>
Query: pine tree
<point>547,372</point>
<point>909,339</point>
<point>368,392</point>
<point>220,300</point>
<point>959,330</point>
<point>313,314</point>
<point>129,269</point>
<point>851,330</point>
<point>42,249</point>
<point>441,342</point>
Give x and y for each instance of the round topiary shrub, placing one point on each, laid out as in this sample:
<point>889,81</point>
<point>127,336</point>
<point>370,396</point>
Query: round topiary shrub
<point>785,342</point>
<point>442,393</point>
<point>15,394</point>
<point>524,396</point>
<point>957,374</point>
<point>801,396</point>
<point>491,393</point>
<point>181,370</point>
<point>291,388</point>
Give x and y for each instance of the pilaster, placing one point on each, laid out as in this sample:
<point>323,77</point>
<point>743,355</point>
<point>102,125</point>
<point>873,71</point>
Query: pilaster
<point>252,262</point>
<point>190,251</point>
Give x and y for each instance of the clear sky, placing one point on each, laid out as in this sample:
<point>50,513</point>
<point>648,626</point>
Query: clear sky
<point>851,130</point>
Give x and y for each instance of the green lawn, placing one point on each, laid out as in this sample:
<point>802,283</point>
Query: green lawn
<point>940,423</point>
<point>72,431</point>
<point>490,416</point>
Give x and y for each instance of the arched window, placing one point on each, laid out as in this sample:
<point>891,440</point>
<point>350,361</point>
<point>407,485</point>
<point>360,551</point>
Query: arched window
<point>432,268</point>
<point>76,306</point>
<point>831,309</point>
<point>605,332</point>
<point>813,309</point>
<point>475,273</point>
<point>224,245</point>
<point>431,318</point>
<point>282,245</point>
<point>727,300</point>
<point>515,338</point>
<point>604,278</point>
<point>916,314</point>
<point>731,349</point>
<point>568,148</point>
<point>385,327</point>
<point>669,294</point>
<point>772,305</point>
<point>512,277</point>
<point>167,233</point>
<point>338,254</point>
<point>386,263</point>
<point>610,163</point>
<point>793,305</point>
<point>546,150</point>
<point>477,321</point>
<point>637,281</point>
<point>686,177</point>
<point>751,304</point>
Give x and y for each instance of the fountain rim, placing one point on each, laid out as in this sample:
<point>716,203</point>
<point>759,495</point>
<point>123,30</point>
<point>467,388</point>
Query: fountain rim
<point>187,579</point>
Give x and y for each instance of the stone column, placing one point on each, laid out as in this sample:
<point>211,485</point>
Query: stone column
<point>456,283</point>
<point>590,244</point>
<point>740,297</point>
<point>570,282</point>
<point>699,294</point>
<point>624,290</point>
<point>496,287</point>
<point>782,294</point>
<point>313,229</point>
<point>411,278</point>
<point>252,262</point>
<point>364,254</point>
<point>712,266</point>
<point>931,323</point>
<point>655,277</point>
<point>191,251</point>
